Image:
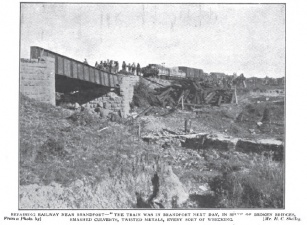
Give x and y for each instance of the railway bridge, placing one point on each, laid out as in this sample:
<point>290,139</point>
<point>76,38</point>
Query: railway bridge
<point>47,73</point>
<point>71,68</point>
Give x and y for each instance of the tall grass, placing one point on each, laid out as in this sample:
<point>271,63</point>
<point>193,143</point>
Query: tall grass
<point>257,184</point>
<point>60,147</point>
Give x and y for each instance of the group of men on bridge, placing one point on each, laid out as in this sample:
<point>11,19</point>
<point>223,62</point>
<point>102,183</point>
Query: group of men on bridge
<point>135,70</point>
<point>112,66</point>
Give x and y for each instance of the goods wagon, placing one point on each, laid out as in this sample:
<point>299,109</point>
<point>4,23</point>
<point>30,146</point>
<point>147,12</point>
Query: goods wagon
<point>180,72</point>
<point>192,73</point>
<point>175,71</point>
<point>162,71</point>
<point>72,68</point>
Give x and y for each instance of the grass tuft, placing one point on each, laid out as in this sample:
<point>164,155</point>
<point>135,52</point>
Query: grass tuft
<point>253,183</point>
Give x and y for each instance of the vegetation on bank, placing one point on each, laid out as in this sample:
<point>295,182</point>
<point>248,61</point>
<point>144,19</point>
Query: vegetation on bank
<point>248,181</point>
<point>58,145</point>
<point>61,146</point>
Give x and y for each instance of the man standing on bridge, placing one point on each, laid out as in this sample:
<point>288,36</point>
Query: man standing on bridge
<point>85,61</point>
<point>101,65</point>
<point>133,68</point>
<point>129,67</point>
<point>116,66</point>
<point>138,69</point>
<point>105,65</point>
<point>111,66</point>
<point>124,66</point>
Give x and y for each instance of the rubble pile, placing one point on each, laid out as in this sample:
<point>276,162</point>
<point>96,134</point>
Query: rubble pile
<point>188,93</point>
<point>191,93</point>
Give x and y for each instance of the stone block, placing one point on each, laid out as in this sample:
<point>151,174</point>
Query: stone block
<point>107,105</point>
<point>104,112</point>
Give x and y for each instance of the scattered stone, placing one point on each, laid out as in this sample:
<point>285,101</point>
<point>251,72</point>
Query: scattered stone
<point>133,114</point>
<point>204,187</point>
<point>112,95</point>
<point>69,105</point>
<point>252,131</point>
<point>114,117</point>
<point>104,112</point>
<point>107,105</point>
<point>77,106</point>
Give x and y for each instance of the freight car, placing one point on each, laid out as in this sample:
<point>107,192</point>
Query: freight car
<point>180,72</point>
<point>155,70</point>
<point>193,73</point>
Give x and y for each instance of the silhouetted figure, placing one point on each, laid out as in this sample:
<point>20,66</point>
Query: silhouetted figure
<point>116,66</point>
<point>129,67</point>
<point>85,62</point>
<point>101,65</point>
<point>105,65</point>
<point>133,68</point>
<point>138,69</point>
<point>124,66</point>
<point>111,66</point>
<point>96,64</point>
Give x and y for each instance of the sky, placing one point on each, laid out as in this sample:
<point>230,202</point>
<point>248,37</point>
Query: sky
<point>241,38</point>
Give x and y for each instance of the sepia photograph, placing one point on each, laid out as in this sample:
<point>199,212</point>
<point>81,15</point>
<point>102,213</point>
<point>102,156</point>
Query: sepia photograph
<point>152,106</point>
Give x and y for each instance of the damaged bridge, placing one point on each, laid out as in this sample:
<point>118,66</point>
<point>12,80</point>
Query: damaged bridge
<point>71,68</point>
<point>47,72</point>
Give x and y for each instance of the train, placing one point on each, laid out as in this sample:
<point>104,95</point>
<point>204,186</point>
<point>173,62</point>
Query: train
<point>180,72</point>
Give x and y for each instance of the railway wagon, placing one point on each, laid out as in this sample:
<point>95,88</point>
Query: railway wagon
<point>192,73</point>
<point>176,72</point>
<point>65,66</point>
<point>180,72</point>
<point>165,72</point>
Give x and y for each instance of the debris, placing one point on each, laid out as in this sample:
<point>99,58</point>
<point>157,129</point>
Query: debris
<point>104,112</point>
<point>187,125</point>
<point>103,129</point>
<point>252,131</point>
<point>186,93</point>
<point>77,106</point>
<point>133,115</point>
<point>204,187</point>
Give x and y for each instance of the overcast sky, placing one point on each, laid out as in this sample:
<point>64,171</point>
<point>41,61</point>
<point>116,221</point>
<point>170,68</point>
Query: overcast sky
<point>215,38</point>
